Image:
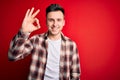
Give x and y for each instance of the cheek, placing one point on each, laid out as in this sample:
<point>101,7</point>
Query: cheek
<point>63,23</point>
<point>48,24</point>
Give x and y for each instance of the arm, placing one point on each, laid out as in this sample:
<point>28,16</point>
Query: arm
<point>20,45</point>
<point>75,69</point>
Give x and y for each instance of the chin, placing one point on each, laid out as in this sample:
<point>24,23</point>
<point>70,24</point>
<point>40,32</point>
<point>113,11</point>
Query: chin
<point>55,33</point>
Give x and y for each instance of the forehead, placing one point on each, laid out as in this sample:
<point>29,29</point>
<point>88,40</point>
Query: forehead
<point>55,14</point>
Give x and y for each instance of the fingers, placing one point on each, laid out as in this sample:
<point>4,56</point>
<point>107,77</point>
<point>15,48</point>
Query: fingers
<point>31,14</point>
<point>37,22</point>
<point>35,13</point>
<point>27,13</point>
<point>31,11</point>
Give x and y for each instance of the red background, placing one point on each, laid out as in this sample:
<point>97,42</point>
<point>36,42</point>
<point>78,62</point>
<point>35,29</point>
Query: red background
<point>93,24</point>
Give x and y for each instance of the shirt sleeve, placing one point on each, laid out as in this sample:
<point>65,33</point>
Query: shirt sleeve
<point>20,46</point>
<point>75,69</point>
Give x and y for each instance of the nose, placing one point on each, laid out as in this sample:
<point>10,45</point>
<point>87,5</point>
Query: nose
<point>55,23</point>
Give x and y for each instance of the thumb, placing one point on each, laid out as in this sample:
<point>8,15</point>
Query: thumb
<point>37,23</point>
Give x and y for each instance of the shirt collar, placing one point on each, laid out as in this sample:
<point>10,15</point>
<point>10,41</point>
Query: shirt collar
<point>62,36</point>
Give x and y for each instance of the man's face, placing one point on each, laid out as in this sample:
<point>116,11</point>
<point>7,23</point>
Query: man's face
<point>55,22</point>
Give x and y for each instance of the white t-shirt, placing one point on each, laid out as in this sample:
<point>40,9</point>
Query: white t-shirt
<point>53,59</point>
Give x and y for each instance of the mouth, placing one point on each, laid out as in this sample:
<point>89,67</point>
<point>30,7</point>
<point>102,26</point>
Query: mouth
<point>54,28</point>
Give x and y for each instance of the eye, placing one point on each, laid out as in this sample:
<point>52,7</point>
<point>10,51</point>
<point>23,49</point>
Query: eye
<point>50,20</point>
<point>59,20</point>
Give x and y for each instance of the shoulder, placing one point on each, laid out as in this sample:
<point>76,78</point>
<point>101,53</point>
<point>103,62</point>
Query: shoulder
<point>42,35</point>
<point>69,41</point>
<point>38,37</point>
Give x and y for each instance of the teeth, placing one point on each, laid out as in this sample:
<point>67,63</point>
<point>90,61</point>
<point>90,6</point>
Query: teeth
<point>54,28</point>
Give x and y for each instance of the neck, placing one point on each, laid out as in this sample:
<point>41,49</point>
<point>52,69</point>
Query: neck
<point>54,37</point>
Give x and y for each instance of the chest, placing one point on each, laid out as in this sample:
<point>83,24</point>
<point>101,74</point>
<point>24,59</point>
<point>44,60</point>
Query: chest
<point>61,51</point>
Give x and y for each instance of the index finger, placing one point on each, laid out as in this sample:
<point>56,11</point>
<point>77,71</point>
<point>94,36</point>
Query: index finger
<point>34,14</point>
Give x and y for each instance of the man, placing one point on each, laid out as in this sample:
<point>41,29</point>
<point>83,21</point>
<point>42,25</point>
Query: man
<point>54,56</point>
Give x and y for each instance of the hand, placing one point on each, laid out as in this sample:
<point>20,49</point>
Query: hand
<point>29,20</point>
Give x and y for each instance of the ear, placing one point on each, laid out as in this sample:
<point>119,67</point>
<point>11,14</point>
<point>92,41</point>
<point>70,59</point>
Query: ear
<point>64,22</point>
<point>46,22</point>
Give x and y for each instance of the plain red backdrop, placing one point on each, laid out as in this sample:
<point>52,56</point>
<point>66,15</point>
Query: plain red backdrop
<point>93,24</point>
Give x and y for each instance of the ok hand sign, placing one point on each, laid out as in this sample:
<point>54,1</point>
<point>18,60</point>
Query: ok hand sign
<point>29,20</point>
